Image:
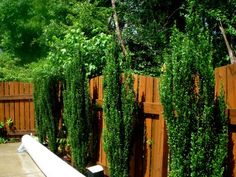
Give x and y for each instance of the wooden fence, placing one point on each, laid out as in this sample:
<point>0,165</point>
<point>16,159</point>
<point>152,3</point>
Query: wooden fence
<point>150,148</point>
<point>16,103</point>
<point>226,78</point>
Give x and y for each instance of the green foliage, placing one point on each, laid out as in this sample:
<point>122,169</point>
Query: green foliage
<point>47,108</point>
<point>10,69</point>
<point>118,108</point>
<point>2,132</point>
<point>76,111</point>
<point>10,122</point>
<point>196,132</point>
<point>2,140</point>
<point>93,51</point>
<point>20,29</point>
<point>1,125</point>
<point>29,28</point>
<point>146,29</point>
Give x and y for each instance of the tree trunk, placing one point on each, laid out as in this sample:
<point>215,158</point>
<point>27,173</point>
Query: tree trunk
<point>118,32</point>
<point>230,51</point>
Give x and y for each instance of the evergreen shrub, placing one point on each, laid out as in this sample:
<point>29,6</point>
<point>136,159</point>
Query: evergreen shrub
<point>76,112</point>
<point>47,108</point>
<point>118,106</point>
<point>196,123</point>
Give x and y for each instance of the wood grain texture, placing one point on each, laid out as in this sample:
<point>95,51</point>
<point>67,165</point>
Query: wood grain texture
<point>149,152</point>
<point>16,103</point>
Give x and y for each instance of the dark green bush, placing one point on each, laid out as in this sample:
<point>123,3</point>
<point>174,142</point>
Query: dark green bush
<point>119,101</point>
<point>196,123</point>
<point>76,112</point>
<point>47,108</point>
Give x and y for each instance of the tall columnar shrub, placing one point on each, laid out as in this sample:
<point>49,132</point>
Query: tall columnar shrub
<point>118,108</point>
<point>196,123</point>
<point>47,108</point>
<point>76,112</point>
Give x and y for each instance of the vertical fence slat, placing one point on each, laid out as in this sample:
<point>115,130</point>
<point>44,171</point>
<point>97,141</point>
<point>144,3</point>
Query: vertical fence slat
<point>155,171</point>
<point>136,82</point>
<point>27,107</point>
<point>1,102</point>
<point>6,105</point>
<point>142,87</point>
<point>148,147</point>
<point>22,108</point>
<point>148,127</point>
<point>149,89</point>
<point>156,95</point>
<point>17,106</point>
<point>231,86</point>
<point>100,87</point>
<point>12,104</point>
<point>31,106</point>
<point>91,88</point>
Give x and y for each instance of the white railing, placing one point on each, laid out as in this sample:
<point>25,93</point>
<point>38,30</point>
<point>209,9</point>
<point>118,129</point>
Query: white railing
<point>50,164</point>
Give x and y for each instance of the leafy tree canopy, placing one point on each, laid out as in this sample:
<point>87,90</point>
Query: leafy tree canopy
<point>29,27</point>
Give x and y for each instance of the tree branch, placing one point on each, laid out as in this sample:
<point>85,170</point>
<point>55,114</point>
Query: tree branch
<point>118,32</point>
<point>230,51</point>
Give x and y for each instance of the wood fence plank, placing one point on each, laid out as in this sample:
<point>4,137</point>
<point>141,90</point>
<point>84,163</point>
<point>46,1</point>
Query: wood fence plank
<point>156,96</point>
<point>17,114</point>
<point>155,171</point>
<point>12,102</point>
<point>91,88</point>
<point>1,111</point>
<point>152,108</point>
<point>1,102</point>
<point>7,104</point>
<point>17,107</point>
<point>142,91</point>
<point>232,116</point>
<point>149,124</point>
<point>100,88</point>
<point>231,86</point>
<point>2,89</point>
<point>14,97</point>
<point>6,89</point>
<point>149,90</point>
<point>136,83</point>
<point>27,108</point>
<point>148,148</point>
<point>22,108</point>
<point>32,116</point>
